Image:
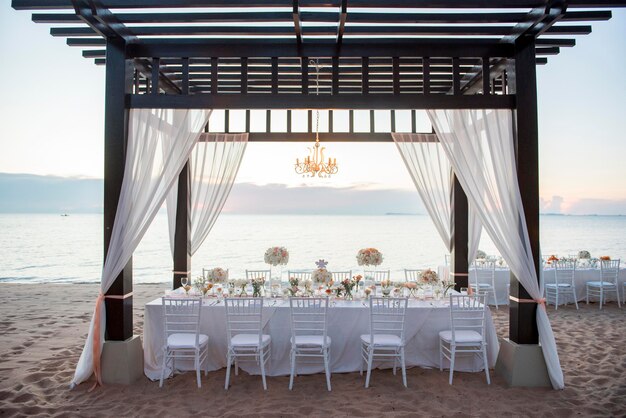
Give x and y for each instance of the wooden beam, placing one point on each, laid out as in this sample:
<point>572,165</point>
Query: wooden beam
<point>297,25</point>
<point>324,136</point>
<point>341,27</point>
<point>182,234</point>
<point>340,101</point>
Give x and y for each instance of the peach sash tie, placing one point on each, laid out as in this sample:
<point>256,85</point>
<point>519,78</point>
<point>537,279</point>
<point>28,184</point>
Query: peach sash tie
<point>96,350</point>
<point>540,301</point>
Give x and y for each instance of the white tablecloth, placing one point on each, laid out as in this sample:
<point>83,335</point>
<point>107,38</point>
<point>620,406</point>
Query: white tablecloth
<point>346,322</point>
<point>582,276</point>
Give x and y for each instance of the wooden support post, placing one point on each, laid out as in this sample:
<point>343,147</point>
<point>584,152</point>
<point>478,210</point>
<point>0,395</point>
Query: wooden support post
<point>156,63</point>
<point>214,75</point>
<point>459,235</point>
<point>426,75</point>
<point>244,75</point>
<point>185,81</point>
<point>456,77</point>
<point>522,318</point>
<point>182,234</point>
<point>486,76</point>
<point>119,312</point>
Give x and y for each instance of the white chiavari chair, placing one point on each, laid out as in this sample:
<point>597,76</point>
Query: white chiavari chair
<point>608,283</point>
<point>246,341</point>
<point>300,275</point>
<point>563,285</point>
<point>377,276</point>
<point>386,337</point>
<point>181,322</point>
<point>482,276</point>
<point>309,329</point>
<point>412,275</point>
<point>339,276</point>
<point>467,331</point>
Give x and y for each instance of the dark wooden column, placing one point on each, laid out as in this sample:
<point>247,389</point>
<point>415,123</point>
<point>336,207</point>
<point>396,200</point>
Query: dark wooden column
<point>119,312</point>
<point>182,236</point>
<point>459,232</point>
<point>522,320</point>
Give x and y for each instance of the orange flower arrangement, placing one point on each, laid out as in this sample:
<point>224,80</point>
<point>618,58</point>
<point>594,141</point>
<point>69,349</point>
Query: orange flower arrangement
<point>605,258</point>
<point>553,258</point>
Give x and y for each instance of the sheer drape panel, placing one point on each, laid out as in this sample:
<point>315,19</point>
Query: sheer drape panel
<point>213,167</point>
<point>480,147</point>
<point>431,173</point>
<point>159,144</point>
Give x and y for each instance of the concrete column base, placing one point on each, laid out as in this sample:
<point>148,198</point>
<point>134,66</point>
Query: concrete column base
<point>522,364</point>
<point>122,361</point>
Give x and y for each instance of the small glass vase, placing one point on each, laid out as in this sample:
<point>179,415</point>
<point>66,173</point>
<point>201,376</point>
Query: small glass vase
<point>276,272</point>
<point>386,291</point>
<point>242,292</point>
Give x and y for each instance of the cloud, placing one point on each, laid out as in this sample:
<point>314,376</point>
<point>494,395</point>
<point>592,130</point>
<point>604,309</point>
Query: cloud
<point>597,207</point>
<point>553,205</point>
<point>280,199</point>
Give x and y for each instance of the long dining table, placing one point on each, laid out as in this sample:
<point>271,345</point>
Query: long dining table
<point>347,321</point>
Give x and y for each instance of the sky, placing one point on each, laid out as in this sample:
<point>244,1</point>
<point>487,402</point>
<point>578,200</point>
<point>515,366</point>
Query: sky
<point>52,107</point>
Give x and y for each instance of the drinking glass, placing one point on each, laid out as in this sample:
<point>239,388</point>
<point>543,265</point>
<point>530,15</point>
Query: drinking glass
<point>184,281</point>
<point>463,290</point>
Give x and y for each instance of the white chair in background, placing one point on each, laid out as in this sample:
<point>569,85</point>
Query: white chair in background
<point>386,337</point>
<point>412,275</point>
<point>467,331</point>
<point>482,277</point>
<point>377,276</point>
<point>609,272</point>
<point>246,341</point>
<point>309,328</point>
<point>300,275</point>
<point>563,283</point>
<point>181,321</point>
<point>258,274</point>
<point>339,276</point>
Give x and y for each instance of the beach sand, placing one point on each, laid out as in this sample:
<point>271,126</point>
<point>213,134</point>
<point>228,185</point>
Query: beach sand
<point>43,327</point>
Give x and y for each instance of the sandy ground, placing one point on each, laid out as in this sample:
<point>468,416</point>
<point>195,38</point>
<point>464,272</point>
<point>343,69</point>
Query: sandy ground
<point>42,329</point>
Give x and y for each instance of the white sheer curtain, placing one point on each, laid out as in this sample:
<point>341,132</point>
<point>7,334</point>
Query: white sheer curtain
<point>213,167</point>
<point>159,144</point>
<point>480,147</point>
<point>431,172</point>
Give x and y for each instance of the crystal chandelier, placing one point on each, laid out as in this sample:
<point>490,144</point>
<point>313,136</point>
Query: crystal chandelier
<point>314,164</point>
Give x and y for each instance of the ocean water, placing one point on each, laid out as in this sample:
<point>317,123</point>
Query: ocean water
<point>51,248</point>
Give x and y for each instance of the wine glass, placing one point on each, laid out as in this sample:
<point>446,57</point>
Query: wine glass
<point>184,281</point>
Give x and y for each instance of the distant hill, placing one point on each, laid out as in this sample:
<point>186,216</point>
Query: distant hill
<point>29,193</point>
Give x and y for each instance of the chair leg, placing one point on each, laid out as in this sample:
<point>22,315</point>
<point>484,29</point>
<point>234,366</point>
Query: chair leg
<point>263,369</point>
<point>619,305</point>
<point>587,295</point>
<point>362,360</point>
<point>327,368</point>
<point>601,297</point>
<point>197,364</point>
<point>556,300</point>
<point>440,355</point>
<point>575,298</point>
<point>403,367</point>
<point>229,360</point>
<point>486,365</point>
<point>163,368</point>
<point>495,297</point>
<point>236,367</point>
<point>370,358</point>
<point>452,357</point>
<point>292,356</point>
<point>395,360</point>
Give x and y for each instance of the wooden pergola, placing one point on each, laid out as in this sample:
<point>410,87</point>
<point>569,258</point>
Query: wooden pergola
<point>381,54</point>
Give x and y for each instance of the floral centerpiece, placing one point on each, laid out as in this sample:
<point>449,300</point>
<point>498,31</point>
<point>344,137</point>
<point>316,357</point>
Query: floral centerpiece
<point>412,288</point>
<point>481,255</point>
<point>202,285</point>
<point>321,275</point>
<point>429,277</point>
<point>584,255</point>
<point>605,258</point>
<point>367,291</point>
<point>276,256</point>
<point>218,275</point>
<point>308,287</point>
<point>348,286</point>
<point>258,284</point>
<point>369,257</point>
<point>235,285</point>
<point>293,289</point>
<point>385,285</point>
<point>552,259</point>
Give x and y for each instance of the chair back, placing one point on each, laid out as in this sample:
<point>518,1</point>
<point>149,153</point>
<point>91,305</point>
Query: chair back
<point>300,275</point>
<point>258,274</point>
<point>609,270</point>
<point>244,316</point>
<point>412,275</point>
<point>467,312</point>
<point>181,316</point>
<point>308,317</point>
<point>387,316</point>
<point>377,276</point>
<point>339,276</point>
<point>564,271</point>
<point>482,272</point>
